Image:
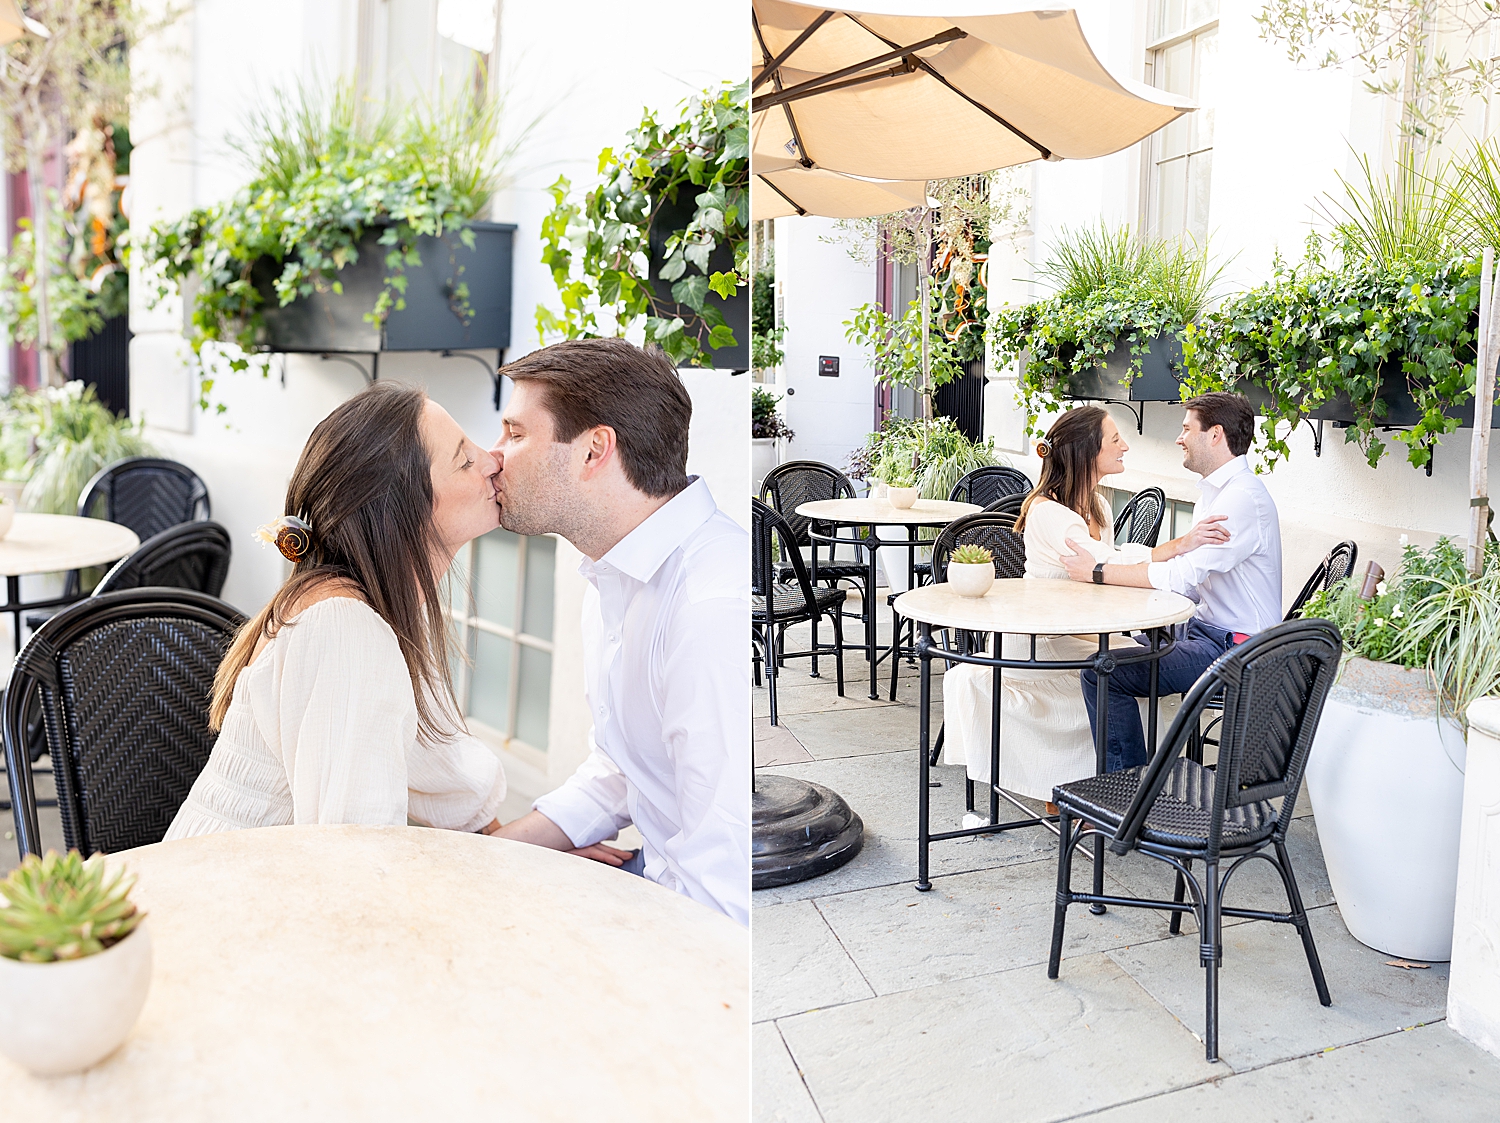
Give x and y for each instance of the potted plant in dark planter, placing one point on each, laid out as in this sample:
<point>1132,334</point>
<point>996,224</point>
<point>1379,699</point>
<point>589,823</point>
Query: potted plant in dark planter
<point>1391,736</point>
<point>75,962</point>
<point>664,237</point>
<point>766,429</point>
<point>358,231</point>
<point>1111,331</point>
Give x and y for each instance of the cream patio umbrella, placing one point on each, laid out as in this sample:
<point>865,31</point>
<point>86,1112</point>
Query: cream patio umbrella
<point>796,190</point>
<point>932,97</point>
<point>13,24</point>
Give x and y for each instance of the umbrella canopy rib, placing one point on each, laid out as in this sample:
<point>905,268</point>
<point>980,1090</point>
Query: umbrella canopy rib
<point>825,82</point>
<point>772,64</point>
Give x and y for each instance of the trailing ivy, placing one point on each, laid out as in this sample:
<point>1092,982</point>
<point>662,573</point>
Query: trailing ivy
<point>599,250</point>
<point>1315,334</point>
<point>326,171</point>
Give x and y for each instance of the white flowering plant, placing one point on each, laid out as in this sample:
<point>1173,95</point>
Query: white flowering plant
<point>1431,614</point>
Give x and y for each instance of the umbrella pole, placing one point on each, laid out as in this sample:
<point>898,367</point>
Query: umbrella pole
<point>924,387</point>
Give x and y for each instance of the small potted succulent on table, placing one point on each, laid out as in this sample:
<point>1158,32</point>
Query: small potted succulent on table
<point>971,570</point>
<point>75,962</point>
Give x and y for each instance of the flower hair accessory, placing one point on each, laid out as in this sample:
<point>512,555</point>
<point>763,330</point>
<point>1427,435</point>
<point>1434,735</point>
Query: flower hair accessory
<point>1044,447</point>
<point>289,534</point>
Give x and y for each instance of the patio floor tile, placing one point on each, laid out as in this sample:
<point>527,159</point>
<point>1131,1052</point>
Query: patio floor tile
<point>799,963</point>
<point>1268,1008</point>
<point>775,744</point>
<point>858,732</point>
<point>777,1094</point>
<point>881,787</point>
<point>1016,1047</point>
<point>972,924</point>
<point>1427,1073</point>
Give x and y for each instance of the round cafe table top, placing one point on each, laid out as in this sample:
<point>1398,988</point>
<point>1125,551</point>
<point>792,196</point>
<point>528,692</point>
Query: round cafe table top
<point>399,973</point>
<point>1041,607</point>
<point>877,512</point>
<point>50,543</point>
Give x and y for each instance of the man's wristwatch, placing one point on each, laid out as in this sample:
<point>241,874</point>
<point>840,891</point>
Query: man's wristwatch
<point>1099,574</point>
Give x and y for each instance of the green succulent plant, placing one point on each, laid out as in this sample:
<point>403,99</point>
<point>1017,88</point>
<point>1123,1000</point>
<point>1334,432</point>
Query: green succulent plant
<point>64,907</point>
<point>971,554</point>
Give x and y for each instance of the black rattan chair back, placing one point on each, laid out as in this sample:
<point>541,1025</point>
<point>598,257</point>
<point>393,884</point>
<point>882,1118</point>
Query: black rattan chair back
<point>1142,517</point>
<point>768,531</point>
<point>788,486</point>
<point>123,681</point>
<point>1273,688</point>
<point>146,494</point>
<point>983,486</point>
<point>1335,567</point>
<point>191,556</point>
<point>994,530</point>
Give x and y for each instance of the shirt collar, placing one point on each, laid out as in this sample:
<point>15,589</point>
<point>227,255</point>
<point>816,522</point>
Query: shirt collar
<point>641,552</point>
<point>1224,472</point>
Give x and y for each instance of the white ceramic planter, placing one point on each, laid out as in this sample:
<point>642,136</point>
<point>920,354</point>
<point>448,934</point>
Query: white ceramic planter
<point>971,579</point>
<point>1386,780</point>
<point>902,498</point>
<point>763,457</point>
<point>1474,978</point>
<point>57,1018</point>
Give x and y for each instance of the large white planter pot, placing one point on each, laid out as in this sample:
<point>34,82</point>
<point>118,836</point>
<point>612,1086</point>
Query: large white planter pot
<point>1386,780</point>
<point>763,457</point>
<point>63,1017</point>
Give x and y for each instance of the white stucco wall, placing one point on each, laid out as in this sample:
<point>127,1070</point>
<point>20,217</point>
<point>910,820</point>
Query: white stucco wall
<point>585,68</point>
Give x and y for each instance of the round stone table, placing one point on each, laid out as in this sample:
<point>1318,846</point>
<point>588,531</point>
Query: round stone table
<point>397,973</point>
<point>50,544</point>
<point>1033,607</point>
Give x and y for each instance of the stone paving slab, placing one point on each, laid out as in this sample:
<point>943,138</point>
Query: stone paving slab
<point>881,788</point>
<point>777,1094</point>
<point>972,924</point>
<point>1014,1047</point>
<point>805,696</point>
<point>1426,1073</point>
<point>859,732</point>
<point>775,744</point>
<point>1268,1008</point>
<point>799,963</point>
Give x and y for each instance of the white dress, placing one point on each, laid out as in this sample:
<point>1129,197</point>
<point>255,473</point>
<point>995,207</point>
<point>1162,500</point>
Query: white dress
<point>322,728</point>
<point>1044,726</point>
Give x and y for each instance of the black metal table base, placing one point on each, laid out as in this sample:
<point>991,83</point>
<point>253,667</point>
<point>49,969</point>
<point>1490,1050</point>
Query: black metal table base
<point>800,830</point>
<point>1103,662</point>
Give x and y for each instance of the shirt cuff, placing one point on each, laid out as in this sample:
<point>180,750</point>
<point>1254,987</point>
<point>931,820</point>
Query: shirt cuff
<point>578,815</point>
<point>1160,576</point>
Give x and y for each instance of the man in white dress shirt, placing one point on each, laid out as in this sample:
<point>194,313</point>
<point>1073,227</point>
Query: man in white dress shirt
<point>1235,582</point>
<point>594,449</point>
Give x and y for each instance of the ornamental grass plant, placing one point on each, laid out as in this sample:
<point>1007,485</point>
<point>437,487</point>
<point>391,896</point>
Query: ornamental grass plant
<point>1430,615</point>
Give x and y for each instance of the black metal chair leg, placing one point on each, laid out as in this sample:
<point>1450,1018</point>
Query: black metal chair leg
<point>773,657</point>
<point>814,649</point>
<point>895,650</point>
<point>937,747</point>
<point>1177,895</point>
<point>1064,889</point>
<point>838,649</point>
<point>968,794</point>
<point>1304,928</point>
<point>1210,954</point>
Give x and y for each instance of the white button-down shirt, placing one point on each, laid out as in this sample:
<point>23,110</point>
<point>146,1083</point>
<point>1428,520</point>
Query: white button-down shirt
<point>1237,584</point>
<point>664,626</point>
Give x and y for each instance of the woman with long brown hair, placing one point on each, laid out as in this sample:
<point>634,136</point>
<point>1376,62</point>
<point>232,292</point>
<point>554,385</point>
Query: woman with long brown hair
<point>1046,738</point>
<point>334,704</point>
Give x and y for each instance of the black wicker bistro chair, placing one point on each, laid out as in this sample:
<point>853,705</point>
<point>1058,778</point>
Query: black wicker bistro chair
<point>776,604</point>
<point>145,493</point>
<point>190,556</point>
<point>990,488</point>
<point>123,680</point>
<point>1140,521</point>
<point>785,488</point>
<point>1177,811</point>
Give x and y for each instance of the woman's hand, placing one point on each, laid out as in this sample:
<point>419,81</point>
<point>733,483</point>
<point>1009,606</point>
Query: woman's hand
<point>491,827</point>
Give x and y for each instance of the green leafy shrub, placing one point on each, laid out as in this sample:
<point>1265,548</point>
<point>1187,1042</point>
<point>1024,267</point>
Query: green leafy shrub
<point>764,420</point>
<point>895,345</point>
<point>1429,615</point>
<point>598,251</point>
<point>971,554</point>
<point>1110,289</point>
<point>325,170</point>
<point>57,439</point>
<point>54,908</point>
<point>765,334</point>
<point>933,455</point>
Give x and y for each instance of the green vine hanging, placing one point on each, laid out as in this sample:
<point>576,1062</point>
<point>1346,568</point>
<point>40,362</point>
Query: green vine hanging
<point>599,250</point>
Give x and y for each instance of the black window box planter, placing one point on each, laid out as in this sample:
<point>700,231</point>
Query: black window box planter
<point>1156,382</point>
<point>1401,409</point>
<point>330,322</point>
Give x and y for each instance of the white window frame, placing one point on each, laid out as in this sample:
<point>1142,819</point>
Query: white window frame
<point>1151,177</point>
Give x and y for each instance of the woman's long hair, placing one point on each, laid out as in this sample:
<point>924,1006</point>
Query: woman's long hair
<point>364,485</point>
<point>1070,458</point>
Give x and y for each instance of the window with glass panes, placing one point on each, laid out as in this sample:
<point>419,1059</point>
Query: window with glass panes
<point>1175,522</point>
<point>501,603</point>
<point>1180,57</point>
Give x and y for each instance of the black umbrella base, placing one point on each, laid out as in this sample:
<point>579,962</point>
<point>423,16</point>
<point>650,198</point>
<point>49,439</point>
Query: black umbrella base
<point>801,830</point>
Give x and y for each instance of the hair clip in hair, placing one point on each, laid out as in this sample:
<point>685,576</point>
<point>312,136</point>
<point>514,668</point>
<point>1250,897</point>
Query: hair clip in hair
<point>289,534</point>
<point>1043,448</point>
